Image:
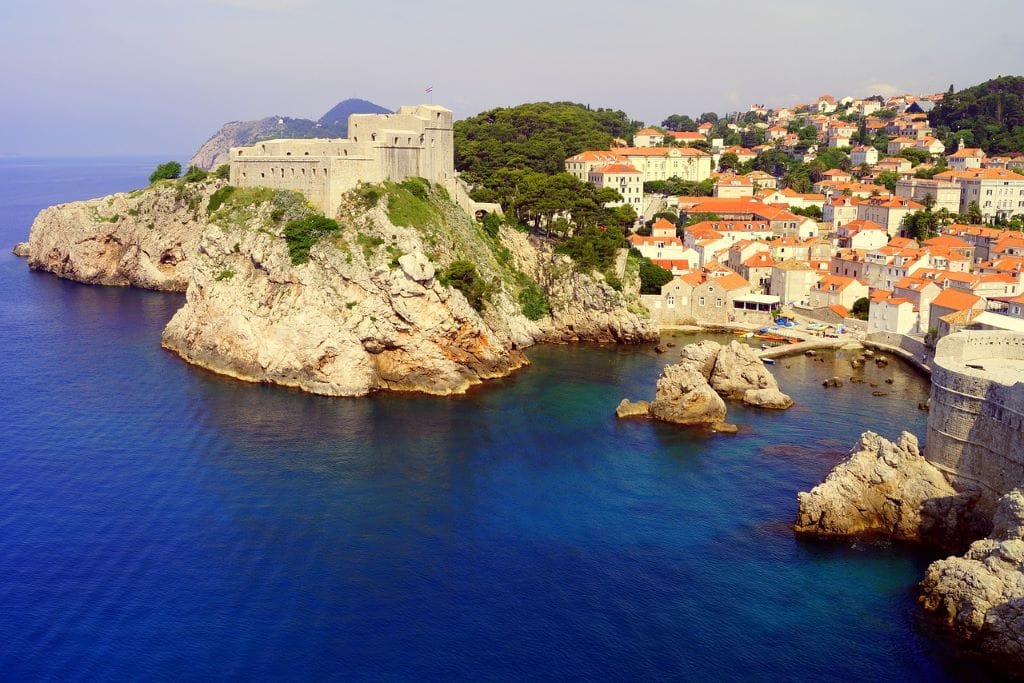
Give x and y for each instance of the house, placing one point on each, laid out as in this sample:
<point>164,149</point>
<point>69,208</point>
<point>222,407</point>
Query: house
<point>863,156</point>
<point>920,291</point>
<point>733,186</point>
<point>966,158</point>
<point>836,175</point>
<point>580,165</point>
<point>684,137</point>
<point>762,180</point>
<point>930,145</point>
<point>839,210</point>
<point>944,193</point>
<point>792,281</point>
<point>861,234</point>
<point>1016,307</point>
<point>742,153</point>
<point>625,179</point>
<point>662,163</point>
<point>951,308</point>
<point>898,144</point>
<point>648,137</point>
<point>703,296</point>
<point>833,290</point>
<point>895,315</point>
<point>889,213</point>
<point>999,192</point>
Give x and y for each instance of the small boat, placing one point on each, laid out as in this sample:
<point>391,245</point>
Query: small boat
<point>768,361</point>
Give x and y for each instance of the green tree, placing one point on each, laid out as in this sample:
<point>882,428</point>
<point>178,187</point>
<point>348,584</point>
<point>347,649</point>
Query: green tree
<point>166,171</point>
<point>916,156</point>
<point>888,179</point>
<point>860,308</point>
<point>679,122</point>
<point>728,162</point>
<point>223,172</point>
<point>652,277</point>
<point>992,113</point>
<point>303,233</point>
<point>462,275</point>
<point>973,215</point>
<point>194,175</point>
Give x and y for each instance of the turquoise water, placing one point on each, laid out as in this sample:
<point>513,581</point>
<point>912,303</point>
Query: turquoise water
<point>158,521</point>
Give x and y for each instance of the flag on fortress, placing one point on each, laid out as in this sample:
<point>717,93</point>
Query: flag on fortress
<point>430,88</point>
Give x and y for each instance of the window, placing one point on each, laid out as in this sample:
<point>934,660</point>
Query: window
<point>718,303</point>
<point>700,301</point>
<point>671,301</point>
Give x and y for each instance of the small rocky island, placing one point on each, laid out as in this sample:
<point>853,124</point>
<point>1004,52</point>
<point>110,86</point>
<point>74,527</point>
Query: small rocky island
<point>691,391</point>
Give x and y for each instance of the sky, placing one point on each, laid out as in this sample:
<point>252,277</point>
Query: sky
<point>127,77</point>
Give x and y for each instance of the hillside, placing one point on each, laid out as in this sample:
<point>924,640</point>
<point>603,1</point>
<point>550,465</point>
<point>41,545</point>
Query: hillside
<point>989,115</point>
<point>333,124</point>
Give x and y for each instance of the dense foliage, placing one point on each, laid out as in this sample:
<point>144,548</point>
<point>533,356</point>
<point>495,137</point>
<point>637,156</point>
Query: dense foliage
<point>167,171</point>
<point>535,137</point>
<point>195,175</point>
<point>593,247</point>
<point>303,233</point>
<point>462,275</point>
<point>223,172</point>
<point>533,301</point>
<point>989,115</point>
<point>860,308</point>
<point>652,277</point>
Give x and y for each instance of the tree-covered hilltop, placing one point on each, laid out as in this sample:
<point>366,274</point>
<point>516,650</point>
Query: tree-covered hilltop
<point>534,137</point>
<point>989,115</point>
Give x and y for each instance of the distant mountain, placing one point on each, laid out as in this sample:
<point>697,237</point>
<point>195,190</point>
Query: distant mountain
<point>333,124</point>
<point>337,117</point>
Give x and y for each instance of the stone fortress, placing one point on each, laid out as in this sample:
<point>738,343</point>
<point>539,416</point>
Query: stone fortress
<point>415,141</point>
<point>976,419</point>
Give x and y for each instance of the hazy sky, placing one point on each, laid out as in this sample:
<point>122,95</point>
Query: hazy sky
<point>146,76</point>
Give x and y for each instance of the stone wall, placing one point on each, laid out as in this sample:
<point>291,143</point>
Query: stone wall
<point>415,141</point>
<point>976,420</point>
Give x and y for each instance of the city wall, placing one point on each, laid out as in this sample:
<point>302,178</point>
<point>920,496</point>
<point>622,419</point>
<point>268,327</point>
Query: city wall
<point>976,418</point>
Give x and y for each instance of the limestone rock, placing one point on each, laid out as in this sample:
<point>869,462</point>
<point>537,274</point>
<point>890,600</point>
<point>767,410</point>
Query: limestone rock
<point>980,595</point>
<point>884,487</point>
<point>21,249</point>
<point>703,354</point>
<point>583,307</point>
<point>417,266</point>
<point>683,396</point>
<point>627,408</point>
<point>739,374</point>
<point>140,239</point>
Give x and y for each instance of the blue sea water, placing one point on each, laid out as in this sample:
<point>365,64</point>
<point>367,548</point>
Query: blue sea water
<point>161,522</point>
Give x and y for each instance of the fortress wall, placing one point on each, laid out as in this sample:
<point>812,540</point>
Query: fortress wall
<point>976,418</point>
<point>416,141</point>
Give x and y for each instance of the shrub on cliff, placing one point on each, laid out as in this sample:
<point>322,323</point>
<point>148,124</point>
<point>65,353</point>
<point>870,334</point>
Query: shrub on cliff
<point>167,171</point>
<point>219,197</point>
<point>194,175</point>
<point>223,172</point>
<point>303,233</point>
<point>462,275</point>
<point>533,301</point>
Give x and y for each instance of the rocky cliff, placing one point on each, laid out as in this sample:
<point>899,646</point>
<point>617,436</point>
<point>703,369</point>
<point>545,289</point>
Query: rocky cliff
<point>885,488</point>
<point>406,293</point>
<point>980,595</point>
<point>143,239</point>
<point>373,308</point>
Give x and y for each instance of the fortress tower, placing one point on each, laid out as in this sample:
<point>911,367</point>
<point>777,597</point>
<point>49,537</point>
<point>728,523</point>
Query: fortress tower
<point>417,140</point>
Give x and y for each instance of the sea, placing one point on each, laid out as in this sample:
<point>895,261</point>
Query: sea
<point>159,522</point>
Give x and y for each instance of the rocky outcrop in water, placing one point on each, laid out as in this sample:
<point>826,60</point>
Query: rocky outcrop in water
<point>21,249</point>
<point>691,391</point>
<point>980,595</point>
<point>683,396</point>
<point>142,239</point>
<point>884,488</point>
<point>738,373</point>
